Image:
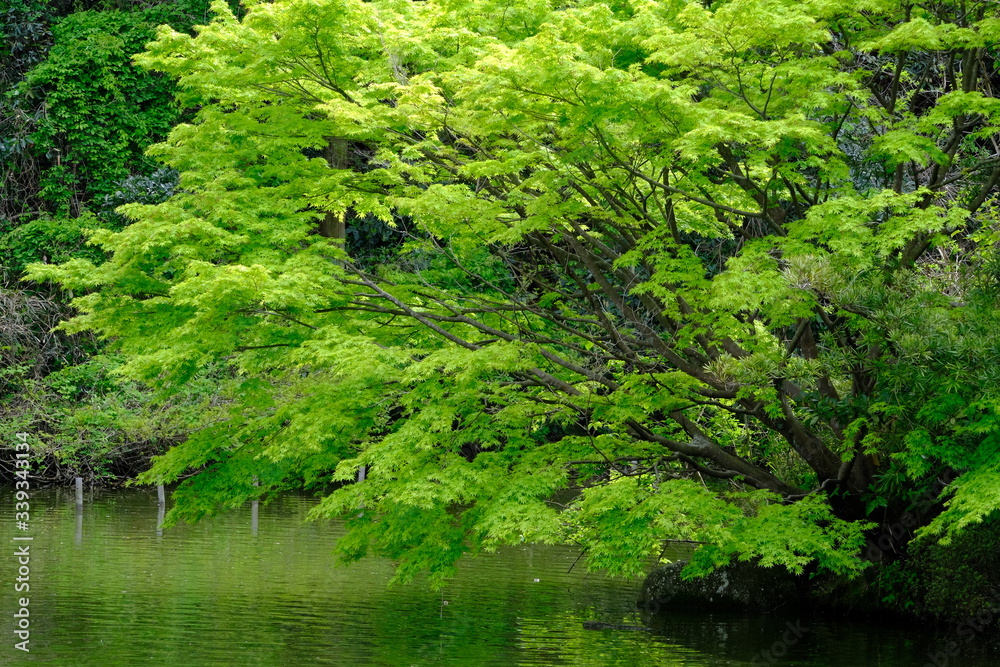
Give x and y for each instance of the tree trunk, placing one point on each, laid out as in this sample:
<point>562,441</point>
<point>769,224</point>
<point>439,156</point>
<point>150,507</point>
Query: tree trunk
<point>333,226</point>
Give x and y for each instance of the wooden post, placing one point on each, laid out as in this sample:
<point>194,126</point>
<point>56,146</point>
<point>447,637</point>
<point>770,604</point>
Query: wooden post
<point>79,511</point>
<point>254,511</point>
<point>79,525</point>
<point>361,477</point>
<point>161,511</point>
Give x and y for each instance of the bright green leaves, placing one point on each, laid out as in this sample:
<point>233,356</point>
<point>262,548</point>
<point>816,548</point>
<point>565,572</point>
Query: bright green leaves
<point>792,535</point>
<point>727,48</point>
<point>916,33</point>
<point>640,245</point>
<point>860,232</point>
<point>921,30</point>
<point>971,498</point>
<point>312,51</point>
<point>754,280</point>
<point>622,526</point>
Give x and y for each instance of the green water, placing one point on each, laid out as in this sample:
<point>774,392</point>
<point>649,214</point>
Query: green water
<point>107,590</point>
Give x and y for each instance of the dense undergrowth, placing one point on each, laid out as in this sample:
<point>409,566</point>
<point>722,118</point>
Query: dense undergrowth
<point>76,117</point>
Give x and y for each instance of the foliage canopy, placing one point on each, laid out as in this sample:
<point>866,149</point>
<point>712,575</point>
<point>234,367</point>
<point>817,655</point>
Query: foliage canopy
<point>725,269</point>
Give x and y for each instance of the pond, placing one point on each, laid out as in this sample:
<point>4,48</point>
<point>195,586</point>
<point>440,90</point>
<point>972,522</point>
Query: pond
<point>107,589</point>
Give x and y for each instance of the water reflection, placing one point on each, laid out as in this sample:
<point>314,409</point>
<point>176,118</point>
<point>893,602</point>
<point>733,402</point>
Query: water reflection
<point>78,539</point>
<point>213,594</point>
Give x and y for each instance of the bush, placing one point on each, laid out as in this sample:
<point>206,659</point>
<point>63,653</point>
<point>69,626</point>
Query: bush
<point>960,579</point>
<point>88,422</point>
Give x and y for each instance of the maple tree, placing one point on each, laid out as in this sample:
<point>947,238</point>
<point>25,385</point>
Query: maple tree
<point>727,269</point>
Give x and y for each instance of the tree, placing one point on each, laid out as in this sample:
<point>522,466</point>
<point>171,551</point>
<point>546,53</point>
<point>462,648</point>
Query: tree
<point>728,270</point>
<point>75,114</point>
